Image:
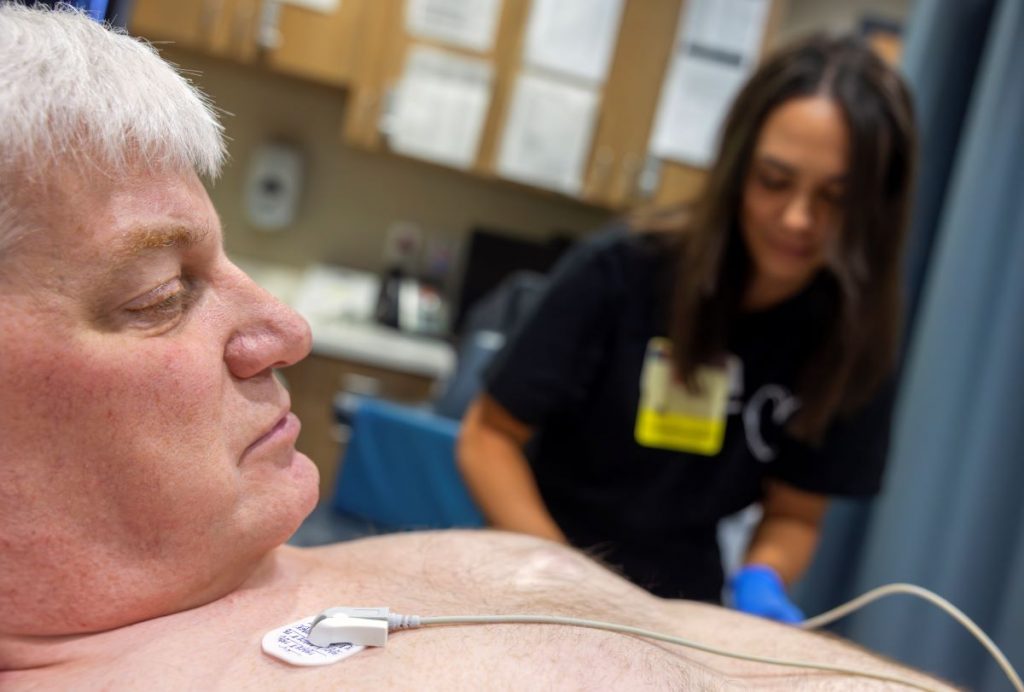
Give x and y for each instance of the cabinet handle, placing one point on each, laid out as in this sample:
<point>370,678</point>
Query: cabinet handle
<point>646,179</point>
<point>387,110</point>
<point>627,176</point>
<point>268,35</point>
<point>602,169</point>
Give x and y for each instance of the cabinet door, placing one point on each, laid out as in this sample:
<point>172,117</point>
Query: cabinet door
<point>382,42</point>
<point>319,45</point>
<point>629,101</point>
<point>217,27</point>
<point>233,33</point>
<point>186,22</point>
<point>378,68</point>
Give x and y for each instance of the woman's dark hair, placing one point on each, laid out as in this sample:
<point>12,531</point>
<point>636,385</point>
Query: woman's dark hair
<point>860,345</point>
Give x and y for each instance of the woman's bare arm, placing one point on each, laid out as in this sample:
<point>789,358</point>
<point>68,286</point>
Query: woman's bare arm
<point>490,456</point>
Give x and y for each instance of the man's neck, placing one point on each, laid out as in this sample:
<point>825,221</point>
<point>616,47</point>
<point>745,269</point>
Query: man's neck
<point>24,651</point>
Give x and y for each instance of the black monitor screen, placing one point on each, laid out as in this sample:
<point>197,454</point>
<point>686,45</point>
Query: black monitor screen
<point>493,255</point>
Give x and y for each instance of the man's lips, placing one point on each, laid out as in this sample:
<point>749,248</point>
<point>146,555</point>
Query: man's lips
<point>284,431</point>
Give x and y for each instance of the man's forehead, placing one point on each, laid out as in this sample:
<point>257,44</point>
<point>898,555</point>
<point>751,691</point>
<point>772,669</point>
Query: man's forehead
<point>151,211</point>
<point>93,229</point>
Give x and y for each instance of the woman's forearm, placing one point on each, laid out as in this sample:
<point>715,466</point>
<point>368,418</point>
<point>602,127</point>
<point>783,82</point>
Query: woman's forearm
<point>498,475</point>
<point>788,533</point>
<point>784,544</point>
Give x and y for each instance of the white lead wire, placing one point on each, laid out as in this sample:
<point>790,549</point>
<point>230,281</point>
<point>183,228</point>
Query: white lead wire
<point>398,622</point>
<point>627,629</point>
<point>816,622</point>
<point>914,590</point>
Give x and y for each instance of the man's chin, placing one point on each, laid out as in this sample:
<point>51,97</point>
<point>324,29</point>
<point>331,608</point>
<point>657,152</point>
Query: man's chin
<point>302,489</point>
<point>297,475</point>
<point>307,486</point>
<point>279,506</point>
<point>310,480</point>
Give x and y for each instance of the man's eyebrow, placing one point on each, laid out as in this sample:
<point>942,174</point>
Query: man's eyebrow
<point>135,243</point>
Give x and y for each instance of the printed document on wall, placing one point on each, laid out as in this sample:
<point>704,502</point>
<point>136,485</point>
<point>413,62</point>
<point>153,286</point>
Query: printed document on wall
<point>464,23</point>
<point>548,133</point>
<point>730,26</point>
<point>717,46</point>
<point>691,110</point>
<point>573,37</point>
<point>439,107</point>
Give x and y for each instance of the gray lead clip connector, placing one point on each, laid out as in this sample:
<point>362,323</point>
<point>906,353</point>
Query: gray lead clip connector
<point>364,626</point>
<point>366,613</point>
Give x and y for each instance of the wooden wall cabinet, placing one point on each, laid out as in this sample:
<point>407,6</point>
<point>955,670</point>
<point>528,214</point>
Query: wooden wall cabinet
<point>219,27</point>
<point>316,45</point>
<point>362,45</point>
<point>297,41</point>
<point>383,54</point>
<point>187,22</point>
<point>628,103</point>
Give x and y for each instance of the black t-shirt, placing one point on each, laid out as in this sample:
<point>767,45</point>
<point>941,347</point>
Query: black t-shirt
<point>572,371</point>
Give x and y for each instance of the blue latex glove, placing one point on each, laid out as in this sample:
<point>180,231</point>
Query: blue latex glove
<point>758,590</point>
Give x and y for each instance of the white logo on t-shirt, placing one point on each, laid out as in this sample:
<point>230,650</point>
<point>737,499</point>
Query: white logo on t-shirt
<point>784,404</point>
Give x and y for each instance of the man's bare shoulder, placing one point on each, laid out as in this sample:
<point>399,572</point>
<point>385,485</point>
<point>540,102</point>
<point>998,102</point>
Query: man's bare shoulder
<point>460,573</point>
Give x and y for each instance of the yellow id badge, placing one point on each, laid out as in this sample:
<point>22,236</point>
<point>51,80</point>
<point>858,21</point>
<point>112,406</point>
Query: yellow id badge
<point>670,416</point>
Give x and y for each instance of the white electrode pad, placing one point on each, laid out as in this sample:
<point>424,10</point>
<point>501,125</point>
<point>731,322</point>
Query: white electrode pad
<point>289,644</point>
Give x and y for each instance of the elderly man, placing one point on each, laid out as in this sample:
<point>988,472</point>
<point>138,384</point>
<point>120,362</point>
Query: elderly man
<point>148,474</point>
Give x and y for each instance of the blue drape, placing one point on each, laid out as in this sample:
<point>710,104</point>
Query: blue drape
<point>952,515</point>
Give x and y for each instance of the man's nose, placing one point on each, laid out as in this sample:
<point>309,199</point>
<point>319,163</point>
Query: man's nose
<point>272,336</point>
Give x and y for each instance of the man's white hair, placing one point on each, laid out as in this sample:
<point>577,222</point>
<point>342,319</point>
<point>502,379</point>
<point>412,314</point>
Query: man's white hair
<point>73,92</point>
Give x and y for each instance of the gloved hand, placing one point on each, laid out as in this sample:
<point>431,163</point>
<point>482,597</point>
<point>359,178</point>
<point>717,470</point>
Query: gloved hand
<point>758,590</point>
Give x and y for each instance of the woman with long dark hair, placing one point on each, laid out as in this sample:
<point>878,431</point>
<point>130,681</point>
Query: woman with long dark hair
<point>668,379</point>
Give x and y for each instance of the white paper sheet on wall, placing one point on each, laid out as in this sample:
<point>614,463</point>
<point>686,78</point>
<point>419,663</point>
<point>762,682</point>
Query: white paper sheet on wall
<point>573,37</point>
<point>717,45</point>
<point>547,133</point>
<point>465,23</point>
<point>692,108</point>
<point>733,26</point>
<point>439,107</point>
<point>325,6</point>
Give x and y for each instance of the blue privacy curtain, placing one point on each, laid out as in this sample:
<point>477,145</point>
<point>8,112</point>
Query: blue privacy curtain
<point>951,517</point>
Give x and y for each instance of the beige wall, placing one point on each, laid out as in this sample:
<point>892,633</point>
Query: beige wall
<point>351,197</point>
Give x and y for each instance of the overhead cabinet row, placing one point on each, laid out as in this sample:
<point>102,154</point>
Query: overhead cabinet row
<point>611,102</point>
